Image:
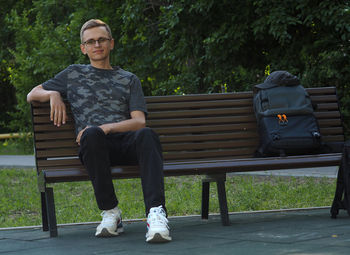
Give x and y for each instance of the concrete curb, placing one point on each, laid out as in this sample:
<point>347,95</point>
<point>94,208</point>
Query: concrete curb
<point>15,161</point>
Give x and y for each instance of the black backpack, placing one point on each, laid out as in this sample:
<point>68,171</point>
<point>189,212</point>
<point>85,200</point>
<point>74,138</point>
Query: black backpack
<point>285,117</point>
<point>342,192</point>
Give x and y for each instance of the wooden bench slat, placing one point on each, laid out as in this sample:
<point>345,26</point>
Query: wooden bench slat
<point>51,163</point>
<point>201,129</point>
<point>42,119</point>
<point>198,97</point>
<point>327,107</point>
<point>208,145</point>
<point>55,135</point>
<point>207,104</point>
<point>324,98</point>
<point>192,121</point>
<point>46,111</point>
<point>57,144</point>
<point>208,154</point>
<point>192,113</point>
<point>329,122</point>
<point>207,137</point>
<point>321,90</point>
<point>50,127</point>
<point>327,115</point>
<point>333,138</point>
<point>331,131</point>
<point>41,111</point>
<point>57,152</point>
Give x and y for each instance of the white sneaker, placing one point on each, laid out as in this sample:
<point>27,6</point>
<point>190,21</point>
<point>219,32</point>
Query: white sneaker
<point>111,224</point>
<point>157,226</point>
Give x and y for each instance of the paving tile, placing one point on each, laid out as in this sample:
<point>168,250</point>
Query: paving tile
<point>288,232</point>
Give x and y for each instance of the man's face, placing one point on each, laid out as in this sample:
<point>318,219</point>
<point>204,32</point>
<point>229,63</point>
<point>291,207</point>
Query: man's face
<point>97,44</point>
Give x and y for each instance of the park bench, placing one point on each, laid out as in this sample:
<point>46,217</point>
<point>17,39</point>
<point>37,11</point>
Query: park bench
<point>203,134</point>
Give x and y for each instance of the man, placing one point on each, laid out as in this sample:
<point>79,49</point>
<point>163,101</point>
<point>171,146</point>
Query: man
<point>109,112</point>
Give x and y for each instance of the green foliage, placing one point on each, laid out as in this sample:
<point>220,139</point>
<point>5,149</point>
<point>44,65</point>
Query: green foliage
<point>8,99</point>
<point>17,146</point>
<point>7,91</point>
<point>182,47</point>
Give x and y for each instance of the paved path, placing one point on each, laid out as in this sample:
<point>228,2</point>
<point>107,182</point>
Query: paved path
<point>13,161</point>
<point>282,233</point>
<point>330,172</point>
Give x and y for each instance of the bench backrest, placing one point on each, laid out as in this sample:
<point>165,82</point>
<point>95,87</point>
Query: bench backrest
<point>191,127</point>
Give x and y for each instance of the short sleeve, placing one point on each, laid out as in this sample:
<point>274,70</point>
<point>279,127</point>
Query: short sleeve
<point>137,100</point>
<point>58,83</point>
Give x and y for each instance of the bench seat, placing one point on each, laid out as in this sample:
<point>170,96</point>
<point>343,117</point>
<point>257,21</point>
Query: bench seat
<point>203,167</point>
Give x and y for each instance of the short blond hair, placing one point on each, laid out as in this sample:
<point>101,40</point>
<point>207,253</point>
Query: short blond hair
<point>94,23</point>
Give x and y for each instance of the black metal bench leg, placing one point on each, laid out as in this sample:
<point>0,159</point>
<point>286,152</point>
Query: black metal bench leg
<point>223,202</point>
<point>44,212</point>
<point>50,208</point>
<point>220,182</point>
<point>205,200</point>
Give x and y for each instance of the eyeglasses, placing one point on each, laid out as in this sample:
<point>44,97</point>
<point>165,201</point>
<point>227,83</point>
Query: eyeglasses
<point>100,40</point>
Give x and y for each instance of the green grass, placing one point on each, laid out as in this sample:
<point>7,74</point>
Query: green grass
<point>17,146</point>
<point>75,202</point>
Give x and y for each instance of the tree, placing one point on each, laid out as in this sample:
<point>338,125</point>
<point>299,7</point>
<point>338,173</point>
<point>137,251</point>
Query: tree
<point>178,47</point>
<point>7,91</point>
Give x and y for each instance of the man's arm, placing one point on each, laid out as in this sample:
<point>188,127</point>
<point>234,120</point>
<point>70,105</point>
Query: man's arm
<point>137,121</point>
<point>58,108</point>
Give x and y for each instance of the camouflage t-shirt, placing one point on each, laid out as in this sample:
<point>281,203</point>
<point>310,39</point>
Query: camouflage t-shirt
<point>98,96</point>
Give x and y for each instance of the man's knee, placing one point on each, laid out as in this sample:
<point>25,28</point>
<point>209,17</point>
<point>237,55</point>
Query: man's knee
<point>92,135</point>
<point>147,137</point>
<point>147,133</point>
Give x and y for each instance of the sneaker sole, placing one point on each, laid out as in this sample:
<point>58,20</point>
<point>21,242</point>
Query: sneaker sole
<point>105,233</point>
<point>158,238</point>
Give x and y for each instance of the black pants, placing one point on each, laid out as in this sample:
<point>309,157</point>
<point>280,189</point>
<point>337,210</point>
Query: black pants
<point>98,152</point>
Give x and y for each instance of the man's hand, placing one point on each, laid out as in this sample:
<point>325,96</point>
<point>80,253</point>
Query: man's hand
<point>58,109</point>
<point>137,121</point>
<point>106,128</point>
<point>58,112</point>
<point>80,134</point>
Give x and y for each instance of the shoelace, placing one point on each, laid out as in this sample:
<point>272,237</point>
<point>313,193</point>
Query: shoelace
<point>108,216</point>
<point>158,217</point>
